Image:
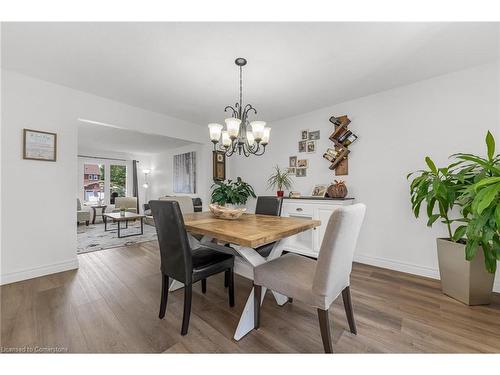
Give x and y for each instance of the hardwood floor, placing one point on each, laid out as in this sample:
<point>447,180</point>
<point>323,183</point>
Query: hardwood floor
<point>111,305</point>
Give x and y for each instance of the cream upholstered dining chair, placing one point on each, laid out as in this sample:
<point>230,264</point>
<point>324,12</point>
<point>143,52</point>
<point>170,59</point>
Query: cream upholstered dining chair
<point>317,283</point>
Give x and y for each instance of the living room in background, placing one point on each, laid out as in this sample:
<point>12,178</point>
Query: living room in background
<point>102,179</point>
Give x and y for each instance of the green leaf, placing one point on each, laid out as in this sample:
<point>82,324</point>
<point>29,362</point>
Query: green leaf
<point>431,164</point>
<point>490,194</point>
<point>497,216</point>
<point>471,249</point>
<point>459,233</point>
<point>489,259</point>
<point>432,219</point>
<point>490,144</point>
<point>486,181</point>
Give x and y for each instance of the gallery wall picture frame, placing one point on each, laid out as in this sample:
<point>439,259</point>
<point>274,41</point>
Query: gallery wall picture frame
<point>311,147</point>
<point>39,145</point>
<point>292,161</point>
<point>302,146</point>
<point>300,172</point>
<point>219,165</point>
<point>291,170</point>
<point>304,134</point>
<point>314,135</point>
<point>303,163</point>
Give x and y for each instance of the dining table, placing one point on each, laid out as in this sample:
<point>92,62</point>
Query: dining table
<point>244,235</point>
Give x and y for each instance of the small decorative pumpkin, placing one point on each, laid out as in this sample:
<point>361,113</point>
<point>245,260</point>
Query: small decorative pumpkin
<point>337,190</point>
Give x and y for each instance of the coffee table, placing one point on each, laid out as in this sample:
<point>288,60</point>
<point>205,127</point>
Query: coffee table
<point>118,218</point>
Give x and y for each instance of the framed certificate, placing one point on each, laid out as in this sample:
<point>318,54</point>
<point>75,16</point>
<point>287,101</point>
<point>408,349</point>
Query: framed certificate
<point>39,145</point>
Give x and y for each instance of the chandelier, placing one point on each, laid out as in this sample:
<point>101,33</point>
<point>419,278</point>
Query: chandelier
<point>240,135</point>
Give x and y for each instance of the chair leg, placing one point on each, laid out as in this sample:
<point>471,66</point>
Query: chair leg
<point>204,286</point>
<point>188,291</point>
<point>231,287</point>
<point>290,300</point>
<point>324,325</point>
<point>164,296</point>
<point>226,279</point>
<point>257,295</point>
<point>346,297</point>
<point>86,222</point>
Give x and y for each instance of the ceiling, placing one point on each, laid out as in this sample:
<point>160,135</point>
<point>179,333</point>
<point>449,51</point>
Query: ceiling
<point>187,70</point>
<point>110,139</point>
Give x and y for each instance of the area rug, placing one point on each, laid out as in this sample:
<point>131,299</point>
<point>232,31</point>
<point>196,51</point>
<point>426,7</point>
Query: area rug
<point>93,237</point>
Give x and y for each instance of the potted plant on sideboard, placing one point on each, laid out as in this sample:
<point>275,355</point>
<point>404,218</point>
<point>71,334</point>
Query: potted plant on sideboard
<point>468,256</point>
<point>278,180</point>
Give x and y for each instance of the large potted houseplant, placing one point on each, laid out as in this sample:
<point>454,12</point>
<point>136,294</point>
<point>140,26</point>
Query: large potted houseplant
<point>468,256</point>
<point>280,179</point>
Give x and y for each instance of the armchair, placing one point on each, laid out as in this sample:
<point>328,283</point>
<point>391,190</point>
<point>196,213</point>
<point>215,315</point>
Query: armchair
<point>81,215</point>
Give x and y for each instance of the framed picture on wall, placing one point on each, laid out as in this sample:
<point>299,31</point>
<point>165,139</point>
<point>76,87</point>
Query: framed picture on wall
<point>300,172</point>
<point>302,146</point>
<point>313,136</point>
<point>185,173</point>
<point>219,165</point>
<point>39,145</point>
<point>311,146</point>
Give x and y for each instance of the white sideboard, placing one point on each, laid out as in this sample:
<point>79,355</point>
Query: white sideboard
<point>308,243</point>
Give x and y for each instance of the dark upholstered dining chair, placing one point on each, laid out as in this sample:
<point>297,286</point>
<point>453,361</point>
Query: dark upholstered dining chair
<point>180,262</point>
<point>317,283</point>
<point>268,206</point>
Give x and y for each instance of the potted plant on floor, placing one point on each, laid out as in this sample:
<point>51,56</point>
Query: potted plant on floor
<point>279,180</point>
<point>468,256</point>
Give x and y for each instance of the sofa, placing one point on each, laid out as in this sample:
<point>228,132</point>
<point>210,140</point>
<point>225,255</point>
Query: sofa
<point>186,204</point>
<point>127,203</point>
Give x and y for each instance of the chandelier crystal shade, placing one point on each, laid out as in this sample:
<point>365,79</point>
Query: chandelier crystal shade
<point>240,136</point>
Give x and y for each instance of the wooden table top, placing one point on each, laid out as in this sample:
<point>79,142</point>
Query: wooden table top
<point>249,230</point>
<point>128,216</point>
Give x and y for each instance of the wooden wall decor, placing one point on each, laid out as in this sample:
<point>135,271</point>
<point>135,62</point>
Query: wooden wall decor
<point>342,137</point>
<point>219,165</point>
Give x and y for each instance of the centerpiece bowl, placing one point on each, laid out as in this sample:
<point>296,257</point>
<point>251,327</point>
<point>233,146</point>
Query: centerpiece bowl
<point>227,213</point>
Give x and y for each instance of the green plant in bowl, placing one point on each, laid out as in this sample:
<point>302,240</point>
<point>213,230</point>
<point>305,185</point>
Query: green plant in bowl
<point>233,192</point>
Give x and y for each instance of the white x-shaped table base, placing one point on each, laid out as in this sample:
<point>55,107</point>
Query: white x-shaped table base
<point>245,261</point>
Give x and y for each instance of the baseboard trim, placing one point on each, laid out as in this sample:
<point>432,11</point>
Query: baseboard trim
<point>31,273</point>
<point>413,269</point>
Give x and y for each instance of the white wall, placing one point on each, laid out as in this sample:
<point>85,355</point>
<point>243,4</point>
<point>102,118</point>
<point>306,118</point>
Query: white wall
<point>162,171</point>
<point>38,198</point>
<point>396,130</point>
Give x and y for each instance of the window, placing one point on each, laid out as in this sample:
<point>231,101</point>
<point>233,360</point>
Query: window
<point>93,182</point>
<point>118,181</point>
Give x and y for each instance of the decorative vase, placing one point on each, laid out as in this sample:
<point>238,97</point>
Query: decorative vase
<point>337,190</point>
<point>122,213</point>
<point>280,193</point>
